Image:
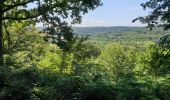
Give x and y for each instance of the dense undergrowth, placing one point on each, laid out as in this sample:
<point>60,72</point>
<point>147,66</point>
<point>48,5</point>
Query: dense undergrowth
<point>38,70</point>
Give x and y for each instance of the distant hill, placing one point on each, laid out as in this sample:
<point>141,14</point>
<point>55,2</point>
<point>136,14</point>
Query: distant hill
<point>126,34</point>
<point>111,29</point>
<point>103,35</point>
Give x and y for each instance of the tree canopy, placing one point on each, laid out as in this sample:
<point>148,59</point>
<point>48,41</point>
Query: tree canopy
<point>52,13</point>
<point>159,13</point>
<point>118,63</point>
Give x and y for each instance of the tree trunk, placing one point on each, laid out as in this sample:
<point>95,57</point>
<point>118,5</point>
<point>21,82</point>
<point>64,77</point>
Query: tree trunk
<point>1,34</point>
<point>9,40</point>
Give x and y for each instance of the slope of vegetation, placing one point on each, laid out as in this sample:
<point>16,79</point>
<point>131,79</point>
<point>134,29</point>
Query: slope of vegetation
<point>36,70</point>
<point>114,63</point>
<point>104,35</point>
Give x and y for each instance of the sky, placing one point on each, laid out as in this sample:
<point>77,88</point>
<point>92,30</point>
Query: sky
<point>114,13</point>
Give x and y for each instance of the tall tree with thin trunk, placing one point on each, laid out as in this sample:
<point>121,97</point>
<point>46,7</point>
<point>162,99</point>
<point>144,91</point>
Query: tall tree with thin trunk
<point>1,33</point>
<point>52,13</point>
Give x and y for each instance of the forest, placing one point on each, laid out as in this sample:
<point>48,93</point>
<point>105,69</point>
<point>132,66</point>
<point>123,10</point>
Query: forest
<point>61,62</point>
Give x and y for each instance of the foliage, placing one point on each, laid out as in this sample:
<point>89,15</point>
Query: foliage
<point>52,14</point>
<point>161,57</point>
<point>128,35</point>
<point>118,59</point>
<point>36,69</point>
<point>58,65</point>
<point>159,13</point>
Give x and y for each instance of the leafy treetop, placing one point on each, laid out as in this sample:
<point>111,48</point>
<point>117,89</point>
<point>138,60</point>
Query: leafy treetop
<point>52,13</point>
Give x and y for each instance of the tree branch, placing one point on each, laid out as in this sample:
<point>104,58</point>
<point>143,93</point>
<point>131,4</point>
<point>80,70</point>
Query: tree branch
<point>20,18</point>
<point>16,5</point>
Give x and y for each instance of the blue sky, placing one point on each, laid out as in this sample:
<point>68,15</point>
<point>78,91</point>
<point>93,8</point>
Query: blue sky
<point>114,13</point>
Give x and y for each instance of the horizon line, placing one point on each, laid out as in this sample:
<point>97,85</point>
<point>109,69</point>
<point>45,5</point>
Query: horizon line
<point>110,26</point>
<point>104,26</point>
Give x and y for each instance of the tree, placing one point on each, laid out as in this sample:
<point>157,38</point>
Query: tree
<point>159,16</point>
<point>159,13</point>
<point>160,54</point>
<point>52,13</point>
